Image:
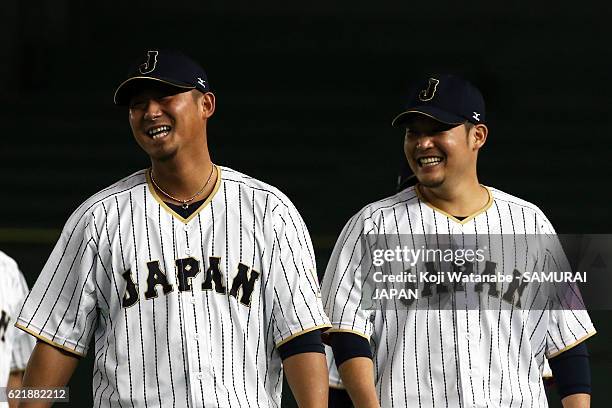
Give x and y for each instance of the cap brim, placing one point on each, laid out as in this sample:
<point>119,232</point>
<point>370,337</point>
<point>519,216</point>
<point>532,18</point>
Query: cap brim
<point>429,111</point>
<point>126,89</point>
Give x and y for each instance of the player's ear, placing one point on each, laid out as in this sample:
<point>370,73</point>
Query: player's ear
<point>206,104</point>
<point>478,135</point>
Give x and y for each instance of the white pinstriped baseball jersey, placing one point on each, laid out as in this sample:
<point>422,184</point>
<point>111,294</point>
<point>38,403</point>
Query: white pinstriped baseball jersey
<point>15,345</point>
<point>431,357</point>
<point>183,312</point>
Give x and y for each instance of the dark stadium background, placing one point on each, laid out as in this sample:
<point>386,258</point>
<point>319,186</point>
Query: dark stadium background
<point>305,96</point>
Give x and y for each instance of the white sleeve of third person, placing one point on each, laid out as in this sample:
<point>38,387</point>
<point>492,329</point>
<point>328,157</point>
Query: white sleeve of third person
<point>342,286</point>
<point>297,297</point>
<point>61,307</point>
<point>23,343</point>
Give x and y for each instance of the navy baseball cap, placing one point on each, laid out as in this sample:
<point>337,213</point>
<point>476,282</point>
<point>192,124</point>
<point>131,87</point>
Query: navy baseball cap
<point>167,67</point>
<point>446,98</point>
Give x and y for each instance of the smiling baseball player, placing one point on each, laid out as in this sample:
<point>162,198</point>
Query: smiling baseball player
<point>425,355</point>
<point>195,281</point>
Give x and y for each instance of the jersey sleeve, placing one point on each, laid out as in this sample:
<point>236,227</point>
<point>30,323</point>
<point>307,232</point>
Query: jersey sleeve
<point>23,344</point>
<point>297,306</point>
<point>342,285</point>
<point>569,322</point>
<point>61,307</point>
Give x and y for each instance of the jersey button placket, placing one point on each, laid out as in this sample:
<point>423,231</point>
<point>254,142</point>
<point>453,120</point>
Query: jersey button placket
<point>463,356</point>
<point>191,310</point>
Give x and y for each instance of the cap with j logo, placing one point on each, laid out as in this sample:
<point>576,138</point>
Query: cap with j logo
<point>163,67</point>
<point>446,98</point>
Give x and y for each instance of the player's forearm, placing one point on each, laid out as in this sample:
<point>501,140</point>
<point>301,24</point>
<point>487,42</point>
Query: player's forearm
<point>308,378</point>
<point>356,375</point>
<point>48,367</point>
<point>577,401</point>
<point>14,381</point>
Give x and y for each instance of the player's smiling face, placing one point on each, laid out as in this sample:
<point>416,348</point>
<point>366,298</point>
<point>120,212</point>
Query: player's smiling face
<point>438,152</point>
<point>165,121</point>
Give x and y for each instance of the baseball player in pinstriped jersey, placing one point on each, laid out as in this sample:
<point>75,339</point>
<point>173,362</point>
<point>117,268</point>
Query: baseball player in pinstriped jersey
<point>191,300</point>
<point>15,345</point>
<point>426,355</point>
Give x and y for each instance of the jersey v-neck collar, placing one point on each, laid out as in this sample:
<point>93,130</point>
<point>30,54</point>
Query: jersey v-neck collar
<point>174,213</point>
<point>452,217</point>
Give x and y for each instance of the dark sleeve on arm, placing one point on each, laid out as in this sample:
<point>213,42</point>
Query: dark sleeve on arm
<point>349,345</point>
<point>571,370</point>
<point>309,342</point>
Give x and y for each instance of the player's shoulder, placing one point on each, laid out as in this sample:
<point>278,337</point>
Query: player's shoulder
<point>529,209</point>
<point>103,198</point>
<point>121,187</point>
<point>252,187</point>
<point>405,198</point>
<point>506,199</point>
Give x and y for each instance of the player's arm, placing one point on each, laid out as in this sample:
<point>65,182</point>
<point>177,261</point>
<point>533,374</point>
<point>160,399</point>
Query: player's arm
<point>353,356</point>
<point>307,376</point>
<point>572,372</point>
<point>49,312</point>
<point>569,324</point>
<point>49,366</point>
<point>351,321</point>
<point>14,381</point>
<point>577,401</point>
<point>357,378</point>
<point>297,306</point>
<point>306,368</point>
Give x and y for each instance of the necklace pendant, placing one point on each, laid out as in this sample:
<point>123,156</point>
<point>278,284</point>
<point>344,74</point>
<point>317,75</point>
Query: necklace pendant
<point>185,206</point>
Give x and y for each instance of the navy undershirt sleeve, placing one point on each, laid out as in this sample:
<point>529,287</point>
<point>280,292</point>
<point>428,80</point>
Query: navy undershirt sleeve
<point>309,342</point>
<point>572,372</point>
<point>348,345</point>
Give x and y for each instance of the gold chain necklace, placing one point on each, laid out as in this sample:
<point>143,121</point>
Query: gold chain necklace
<point>184,203</point>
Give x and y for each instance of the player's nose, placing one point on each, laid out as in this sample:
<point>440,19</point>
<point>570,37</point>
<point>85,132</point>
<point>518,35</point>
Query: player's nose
<point>152,110</point>
<point>424,142</point>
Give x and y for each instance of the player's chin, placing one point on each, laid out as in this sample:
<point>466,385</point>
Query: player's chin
<point>430,182</point>
<point>160,153</point>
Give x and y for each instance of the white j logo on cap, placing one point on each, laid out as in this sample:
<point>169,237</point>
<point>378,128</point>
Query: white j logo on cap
<point>151,63</point>
<point>428,94</point>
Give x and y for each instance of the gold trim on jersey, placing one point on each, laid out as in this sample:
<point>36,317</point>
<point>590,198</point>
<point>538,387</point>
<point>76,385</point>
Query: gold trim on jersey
<point>337,387</point>
<point>547,376</point>
<point>348,331</point>
<point>574,344</point>
<point>450,216</point>
<point>294,335</point>
<point>196,212</point>
<point>50,342</point>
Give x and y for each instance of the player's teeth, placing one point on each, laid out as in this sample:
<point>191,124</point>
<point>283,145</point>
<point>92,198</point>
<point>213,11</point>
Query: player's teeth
<point>158,130</point>
<point>430,161</point>
<point>159,135</point>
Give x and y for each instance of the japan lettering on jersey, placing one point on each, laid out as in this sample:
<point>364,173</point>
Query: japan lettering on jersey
<point>426,355</point>
<point>15,345</point>
<point>183,312</point>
